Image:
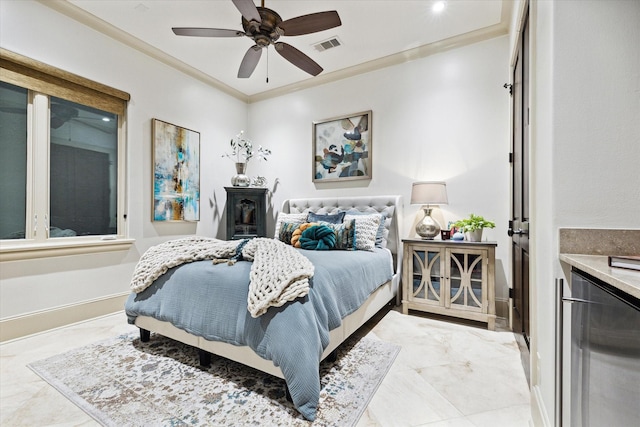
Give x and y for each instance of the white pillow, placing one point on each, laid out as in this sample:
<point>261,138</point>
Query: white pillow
<point>297,218</point>
<point>383,232</point>
<point>366,230</point>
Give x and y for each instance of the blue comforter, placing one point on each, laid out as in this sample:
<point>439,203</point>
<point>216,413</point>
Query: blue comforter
<point>211,301</point>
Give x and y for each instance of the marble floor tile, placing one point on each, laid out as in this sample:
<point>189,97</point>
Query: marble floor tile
<point>406,393</point>
<point>446,375</point>
<point>515,416</point>
<point>477,386</point>
<point>453,422</point>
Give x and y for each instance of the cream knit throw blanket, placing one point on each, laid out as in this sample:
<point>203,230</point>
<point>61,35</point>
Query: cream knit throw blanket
<point>279,273</point>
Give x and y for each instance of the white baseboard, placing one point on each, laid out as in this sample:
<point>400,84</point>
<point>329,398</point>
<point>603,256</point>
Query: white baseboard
<point>20,326</point>
<point>539,414</point>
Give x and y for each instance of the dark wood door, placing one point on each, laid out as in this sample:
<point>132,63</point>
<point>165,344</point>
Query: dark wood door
<point>519,223</point>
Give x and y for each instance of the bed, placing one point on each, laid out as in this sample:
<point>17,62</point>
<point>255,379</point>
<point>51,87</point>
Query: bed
<point>200,304</point>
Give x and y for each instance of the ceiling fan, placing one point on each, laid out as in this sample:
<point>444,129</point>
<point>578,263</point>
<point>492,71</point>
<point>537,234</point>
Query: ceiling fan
<point>61,114</point>
<point>264,26</point>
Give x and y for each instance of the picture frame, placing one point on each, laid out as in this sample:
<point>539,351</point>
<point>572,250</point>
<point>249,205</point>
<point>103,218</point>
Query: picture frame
<point>176,173</point>
<point>342,148</point>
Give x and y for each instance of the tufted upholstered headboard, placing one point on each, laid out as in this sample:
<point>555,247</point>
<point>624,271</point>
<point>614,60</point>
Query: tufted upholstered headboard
<point>391,206</point>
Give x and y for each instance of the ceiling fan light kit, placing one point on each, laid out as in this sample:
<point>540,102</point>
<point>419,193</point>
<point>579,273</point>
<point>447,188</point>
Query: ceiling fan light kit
<point>264,26</point>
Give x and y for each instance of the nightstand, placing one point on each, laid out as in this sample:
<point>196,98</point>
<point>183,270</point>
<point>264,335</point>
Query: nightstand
<point>450,278</point>
<point>246,212</point>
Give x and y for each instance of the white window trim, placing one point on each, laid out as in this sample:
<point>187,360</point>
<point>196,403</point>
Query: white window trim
<point>70,246</point>
<point>37,243</point>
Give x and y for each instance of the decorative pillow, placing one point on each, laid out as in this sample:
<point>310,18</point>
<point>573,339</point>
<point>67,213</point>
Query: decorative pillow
<point>382,232</point>
<point>330,218</point>
<point>295,237</point>
<point>297,218</point>
<point>318,238</point>
<point>366,229</point>
<point>286,231</point>
<point>345,235</point>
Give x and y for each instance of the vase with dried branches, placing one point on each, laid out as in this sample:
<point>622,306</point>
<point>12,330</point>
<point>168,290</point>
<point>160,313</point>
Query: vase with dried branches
<point>241,152</point>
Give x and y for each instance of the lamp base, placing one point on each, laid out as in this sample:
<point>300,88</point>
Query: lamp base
<point>428,228</point>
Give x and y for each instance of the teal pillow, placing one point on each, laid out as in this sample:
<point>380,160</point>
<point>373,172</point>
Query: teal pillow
<point>318,238</point>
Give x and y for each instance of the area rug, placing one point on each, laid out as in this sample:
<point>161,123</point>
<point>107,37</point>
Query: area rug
<point>125,382</point>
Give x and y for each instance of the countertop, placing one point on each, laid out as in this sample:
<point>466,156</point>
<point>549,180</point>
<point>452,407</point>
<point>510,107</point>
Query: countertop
<point>626,280</point>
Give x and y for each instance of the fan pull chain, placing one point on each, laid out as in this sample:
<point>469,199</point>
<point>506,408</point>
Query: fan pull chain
<point>267,64</point>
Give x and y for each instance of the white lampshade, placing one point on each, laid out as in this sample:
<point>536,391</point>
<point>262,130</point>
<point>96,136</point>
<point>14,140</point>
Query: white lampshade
<point>429,193</point>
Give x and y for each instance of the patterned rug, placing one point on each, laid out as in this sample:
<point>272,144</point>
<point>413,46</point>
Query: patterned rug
<point>125,382</point>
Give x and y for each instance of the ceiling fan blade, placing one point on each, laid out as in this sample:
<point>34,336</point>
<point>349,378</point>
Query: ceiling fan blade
<point>206,32</point>
<point>248,10</point>
<point>249,61</point>
<point>298,58</point>
<point>312,23</point>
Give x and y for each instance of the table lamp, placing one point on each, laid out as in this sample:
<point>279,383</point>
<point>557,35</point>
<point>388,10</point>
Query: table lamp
<point>428,193</point>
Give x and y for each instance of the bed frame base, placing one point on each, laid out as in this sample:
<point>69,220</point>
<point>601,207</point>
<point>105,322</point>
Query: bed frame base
<point>245,355</point>
<point>205,358</point>
<point>145,335</point>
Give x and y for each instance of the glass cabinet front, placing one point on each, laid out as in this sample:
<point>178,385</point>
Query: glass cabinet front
<point>244,221</point>
<point>448,277</point>
<point>246,212</point>
<point>427,276</point>
<point>466,278</point>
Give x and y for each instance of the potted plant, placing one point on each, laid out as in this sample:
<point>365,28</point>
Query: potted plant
<point>473,226</point>
<point>241,152</point>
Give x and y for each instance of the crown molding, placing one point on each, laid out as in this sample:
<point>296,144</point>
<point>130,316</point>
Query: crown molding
<point>80,15</point>
<point>74,12</point>
<point>461,40</point>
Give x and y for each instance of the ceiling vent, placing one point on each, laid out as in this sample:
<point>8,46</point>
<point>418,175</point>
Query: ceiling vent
<point>327,44</point>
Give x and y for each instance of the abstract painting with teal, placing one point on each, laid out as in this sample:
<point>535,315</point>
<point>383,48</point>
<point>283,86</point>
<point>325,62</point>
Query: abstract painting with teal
<point>176,189</point>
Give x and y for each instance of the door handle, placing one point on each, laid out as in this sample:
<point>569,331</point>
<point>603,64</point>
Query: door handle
<point>511,231</point>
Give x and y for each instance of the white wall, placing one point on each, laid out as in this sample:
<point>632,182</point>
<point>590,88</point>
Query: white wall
<point>442,117</point>
<point>585,142</point>
<point>596,104</point>
<point>157,91</point>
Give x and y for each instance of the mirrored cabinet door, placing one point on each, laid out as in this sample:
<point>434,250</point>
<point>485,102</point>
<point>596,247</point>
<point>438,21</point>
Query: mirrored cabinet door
<point>427,276</point>
<point>467,277</point>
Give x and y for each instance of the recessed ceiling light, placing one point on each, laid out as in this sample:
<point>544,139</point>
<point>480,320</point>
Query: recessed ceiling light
<point>438,6</point>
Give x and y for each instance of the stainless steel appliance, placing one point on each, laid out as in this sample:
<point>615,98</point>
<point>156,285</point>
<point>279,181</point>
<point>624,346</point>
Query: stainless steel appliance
<point>604,377</point>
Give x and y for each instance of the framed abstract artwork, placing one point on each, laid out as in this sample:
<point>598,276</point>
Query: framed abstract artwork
<point>176,172</point>
<point>342,148</point>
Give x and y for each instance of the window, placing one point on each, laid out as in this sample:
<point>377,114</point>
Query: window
<point>13,162</point>
<point>62,181</point>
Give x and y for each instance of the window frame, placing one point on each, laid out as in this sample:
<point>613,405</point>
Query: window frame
<point>43,81</point>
